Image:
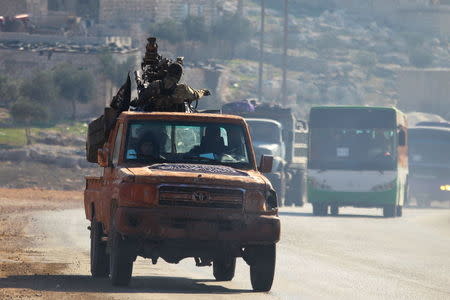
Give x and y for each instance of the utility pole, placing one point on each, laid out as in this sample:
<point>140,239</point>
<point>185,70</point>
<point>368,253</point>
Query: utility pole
<point>285,48</point>
<point>240,8</point>
<point>261,50</point>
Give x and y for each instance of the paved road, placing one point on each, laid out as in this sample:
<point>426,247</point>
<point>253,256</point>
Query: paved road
<point>358,255</point>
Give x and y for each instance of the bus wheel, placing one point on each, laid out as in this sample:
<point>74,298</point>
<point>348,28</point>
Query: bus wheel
<point>399,211</point>
<point>390,211</point>
<point>334,210</point>
<point>316,209</point>
<point>320,209</point>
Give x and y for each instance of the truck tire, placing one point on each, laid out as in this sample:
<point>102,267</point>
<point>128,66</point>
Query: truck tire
<point>399,211</point>
<point>320,209</point>
<point>99,257</point>
<point>223,268</point>
<point>334,210</point>
<point>121,262</point>
<point>262,267</point>
<point>316,209</point>
<point>390,211</point>
<point>295,190</point>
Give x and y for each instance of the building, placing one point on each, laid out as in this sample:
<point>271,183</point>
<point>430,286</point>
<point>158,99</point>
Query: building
<point>427,16</point>
<point>36,8</point>
<point>138,11</point>
<point>424,90</point>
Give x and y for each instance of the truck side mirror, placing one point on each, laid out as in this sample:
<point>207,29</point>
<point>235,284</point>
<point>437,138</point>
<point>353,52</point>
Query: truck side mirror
<point>402,137</point>
<point>103,157</point>
<point>266,164</point>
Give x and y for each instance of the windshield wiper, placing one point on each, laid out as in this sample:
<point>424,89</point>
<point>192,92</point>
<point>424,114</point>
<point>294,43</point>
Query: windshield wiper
<point>201,159</point>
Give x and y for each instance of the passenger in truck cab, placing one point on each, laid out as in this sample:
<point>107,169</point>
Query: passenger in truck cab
<point>148,147</point>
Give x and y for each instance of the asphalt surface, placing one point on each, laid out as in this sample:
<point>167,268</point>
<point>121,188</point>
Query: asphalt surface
<point>356,255</point>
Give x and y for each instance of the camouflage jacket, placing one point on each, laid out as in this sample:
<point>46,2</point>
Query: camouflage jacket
<point>154,98</point>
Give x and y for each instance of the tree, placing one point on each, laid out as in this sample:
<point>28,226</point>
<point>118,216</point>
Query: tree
<point>40,88</point>
<point>9,91</point>
<point>232,30</point>
<point>28,113</point>
<point>421,58</point>
<point>74,85</point>
<point>195,29</point>
<point>168,30</point>
<point>115,71</point>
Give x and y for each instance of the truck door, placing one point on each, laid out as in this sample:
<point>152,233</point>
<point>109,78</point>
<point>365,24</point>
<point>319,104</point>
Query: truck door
<point>110,192</point>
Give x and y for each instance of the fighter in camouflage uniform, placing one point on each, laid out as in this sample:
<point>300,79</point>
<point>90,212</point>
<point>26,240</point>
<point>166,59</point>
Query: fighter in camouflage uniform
<point>167,94</point>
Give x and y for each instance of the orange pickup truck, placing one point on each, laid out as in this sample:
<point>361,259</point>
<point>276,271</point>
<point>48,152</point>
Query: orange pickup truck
<point>178,185</point>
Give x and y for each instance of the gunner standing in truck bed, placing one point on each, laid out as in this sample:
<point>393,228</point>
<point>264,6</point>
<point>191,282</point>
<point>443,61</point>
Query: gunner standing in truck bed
<point>168,94</point>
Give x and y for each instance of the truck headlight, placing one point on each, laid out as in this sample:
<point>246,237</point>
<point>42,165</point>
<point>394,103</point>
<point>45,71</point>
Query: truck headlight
<point>254,201</point>
<point>445,188</point>
<point>131,194</point>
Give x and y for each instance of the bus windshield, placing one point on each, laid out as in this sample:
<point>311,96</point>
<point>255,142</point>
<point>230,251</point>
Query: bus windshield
<point>429,146</point>
<point>353,149</point>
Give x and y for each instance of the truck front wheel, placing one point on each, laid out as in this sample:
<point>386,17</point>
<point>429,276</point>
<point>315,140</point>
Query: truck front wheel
<point>262,267</point>
<point>390,211</point>
<point>121,261</point>
<point>99,257</point>
<point>320,209</point>
<point>223,268</point>
<point>334,210</point>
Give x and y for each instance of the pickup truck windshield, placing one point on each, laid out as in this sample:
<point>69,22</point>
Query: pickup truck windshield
<point>187,142</point>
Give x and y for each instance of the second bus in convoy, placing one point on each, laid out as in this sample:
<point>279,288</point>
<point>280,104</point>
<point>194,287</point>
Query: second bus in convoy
<point>357,157</point>
<point>429,163</point>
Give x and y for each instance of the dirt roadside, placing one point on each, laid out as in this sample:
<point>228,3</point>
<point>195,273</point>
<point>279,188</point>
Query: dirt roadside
<point>16,213</point>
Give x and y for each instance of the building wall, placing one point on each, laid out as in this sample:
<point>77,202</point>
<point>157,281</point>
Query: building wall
<point>36,8</point>
<point>425,90</point>
<point>131,10</point>
<point>427,19</point>
<point>13,7</point>
<point>138,11</point>
<point>415,15</point>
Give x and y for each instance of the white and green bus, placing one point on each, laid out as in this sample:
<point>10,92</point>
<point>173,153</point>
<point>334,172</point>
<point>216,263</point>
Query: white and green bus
<point>358,157</point>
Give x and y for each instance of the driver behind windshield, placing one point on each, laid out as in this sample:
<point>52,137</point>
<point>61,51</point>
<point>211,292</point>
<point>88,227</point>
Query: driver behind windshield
<point>211,142</point>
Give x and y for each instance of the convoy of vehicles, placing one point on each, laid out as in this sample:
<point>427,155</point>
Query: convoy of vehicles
<point>178,185</point>
<point>275,131</point>
<point>357,157</point>
<point>429,163</point>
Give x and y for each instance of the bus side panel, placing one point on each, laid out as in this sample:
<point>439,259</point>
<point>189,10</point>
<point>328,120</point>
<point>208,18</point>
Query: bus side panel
<point>354,188</point>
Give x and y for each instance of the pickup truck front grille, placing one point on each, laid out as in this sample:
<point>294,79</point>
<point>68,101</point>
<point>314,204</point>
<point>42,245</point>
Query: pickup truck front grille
<point>200,197</point>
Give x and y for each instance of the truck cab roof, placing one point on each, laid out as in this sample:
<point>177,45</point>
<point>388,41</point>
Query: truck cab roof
<point>254,120</point>
<point>214,118</point>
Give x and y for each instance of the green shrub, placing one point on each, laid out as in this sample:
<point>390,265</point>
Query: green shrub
<point>421,58</point>
<point>366,59</point>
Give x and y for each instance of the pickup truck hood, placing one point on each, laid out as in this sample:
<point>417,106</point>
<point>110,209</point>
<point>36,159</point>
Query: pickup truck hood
<point>197,174</point>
